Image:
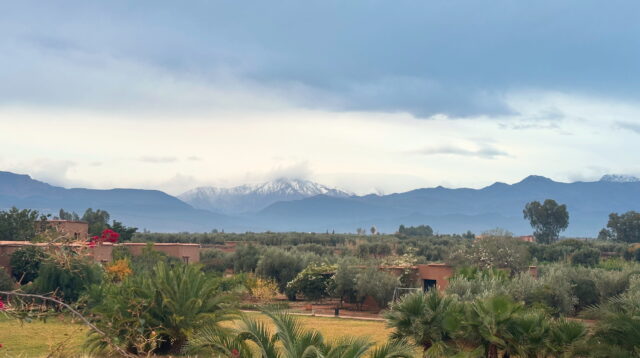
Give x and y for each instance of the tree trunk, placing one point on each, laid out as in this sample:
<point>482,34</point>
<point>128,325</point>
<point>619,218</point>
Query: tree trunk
<point>492,352</point>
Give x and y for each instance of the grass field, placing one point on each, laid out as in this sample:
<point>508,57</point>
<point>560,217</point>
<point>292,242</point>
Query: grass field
<point>38,339</point>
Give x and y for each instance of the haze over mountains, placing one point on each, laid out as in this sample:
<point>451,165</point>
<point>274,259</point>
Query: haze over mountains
<point>299,205</point>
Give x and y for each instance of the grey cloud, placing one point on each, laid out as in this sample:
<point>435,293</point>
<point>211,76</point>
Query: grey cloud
<point>158,159</point>
<point>634,127</point>
<point>486,152</point>
<point>418,57</point>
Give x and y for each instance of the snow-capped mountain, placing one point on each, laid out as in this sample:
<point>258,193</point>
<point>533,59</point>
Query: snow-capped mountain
<point>253,198</point>
<point>619,178</point>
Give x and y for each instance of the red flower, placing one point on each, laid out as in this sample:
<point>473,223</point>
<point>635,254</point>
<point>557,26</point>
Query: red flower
<point>0,345</point>
<point>1,306</point>
<point>235,352</point>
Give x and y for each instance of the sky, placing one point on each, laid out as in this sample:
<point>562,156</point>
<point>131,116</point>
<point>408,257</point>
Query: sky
<point>367,96</point>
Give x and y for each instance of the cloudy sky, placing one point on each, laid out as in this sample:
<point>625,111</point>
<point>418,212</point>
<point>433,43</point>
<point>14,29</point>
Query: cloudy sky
<point>365,95</point>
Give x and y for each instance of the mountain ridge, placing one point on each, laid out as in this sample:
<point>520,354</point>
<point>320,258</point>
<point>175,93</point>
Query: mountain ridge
<point>252,198</point>
<point>447,210</point>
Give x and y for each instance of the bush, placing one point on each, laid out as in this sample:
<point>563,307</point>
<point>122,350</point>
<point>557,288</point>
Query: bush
<point>313,282</point>
<point>377,284</point>
<point>6,282</point>
<point>155,311</point>
<point>214,260</point>
<point>586,257</point>
<point>283,266</point>
<point>25,263</point>
<point>245,258</point>
<point>66,281</point>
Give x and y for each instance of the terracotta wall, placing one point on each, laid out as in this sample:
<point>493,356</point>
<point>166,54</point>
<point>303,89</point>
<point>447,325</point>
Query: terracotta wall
<point>438,272</point>
<point>78,230</point>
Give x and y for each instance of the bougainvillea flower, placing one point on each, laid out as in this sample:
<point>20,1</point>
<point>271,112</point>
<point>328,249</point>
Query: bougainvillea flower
<point>1,305</point>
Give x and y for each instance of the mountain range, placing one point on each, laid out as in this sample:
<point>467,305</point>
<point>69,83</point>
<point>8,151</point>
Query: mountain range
<point>299,205</point>
<point>253,198</point>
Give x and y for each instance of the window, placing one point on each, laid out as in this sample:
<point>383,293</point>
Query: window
<point>185,259</point>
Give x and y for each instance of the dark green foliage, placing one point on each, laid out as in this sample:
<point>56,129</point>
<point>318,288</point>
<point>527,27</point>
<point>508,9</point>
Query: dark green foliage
<point>6,282</point>
<point>425,319</point>
<point>548,219</point>
<point>344,281</point>
<point>245,258</point>
<point>586,257</point>
<point>313,282</point>
<point>156,311</point>
<point>25,263</point>
<point>66,281</point>
<point>421,230</point>
<point>66,215</point>
<point>282,265</point>
<point>126,232</point>
<point>586,292</point>
<point>378,284</point>
<point>98,221</point>
<point>214,260</point>
<point>625,227</point>
<point>18,225</point>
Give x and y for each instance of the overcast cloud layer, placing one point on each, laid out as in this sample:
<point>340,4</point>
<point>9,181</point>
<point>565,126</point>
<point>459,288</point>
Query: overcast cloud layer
<point>366,95</point>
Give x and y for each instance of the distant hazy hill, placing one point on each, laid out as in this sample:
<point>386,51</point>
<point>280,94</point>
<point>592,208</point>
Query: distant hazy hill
<point>253,198</point>
<point>151,209</point>
<point>457,210</point>
<point>304,206</point>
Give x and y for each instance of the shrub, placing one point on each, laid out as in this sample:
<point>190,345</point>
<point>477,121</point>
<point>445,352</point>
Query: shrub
<point>156,311</point>
<point>586,257</point>
<point>313,282</point>
<point>119,270</point>
<point>377,284</point>
<point>283,266</point>
<point>263,289</point>
<point>67,281</point>
<point>25,263</point>
<point>344,281</point>
<point>245,258</point>
<point>6,282</point>
<point>213,260</point>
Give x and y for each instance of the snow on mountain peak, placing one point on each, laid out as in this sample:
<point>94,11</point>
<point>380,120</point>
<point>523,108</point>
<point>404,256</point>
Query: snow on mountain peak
<point>248,198</point>
<point>619,178</point>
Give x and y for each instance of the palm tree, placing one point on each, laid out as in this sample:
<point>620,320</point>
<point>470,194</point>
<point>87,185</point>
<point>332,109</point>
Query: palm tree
<point>427,319</point>
<point>565,338</point>
<point>290,339</point>
<point>489,322</point>
<point>184,300</point>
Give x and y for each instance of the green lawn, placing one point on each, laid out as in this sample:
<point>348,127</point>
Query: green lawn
<point>38,339</point>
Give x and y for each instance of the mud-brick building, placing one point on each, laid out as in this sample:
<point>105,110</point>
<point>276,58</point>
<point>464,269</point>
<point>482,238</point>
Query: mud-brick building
<point>77,230</point>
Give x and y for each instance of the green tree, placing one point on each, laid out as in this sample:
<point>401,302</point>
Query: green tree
<point>25,263</point>
<point>421,230</point>
<point>245,258</point>
<point>67,215</point>
<point>313,282</point>
<point>548,219</point>
<point>18,225</point>
<point>344,281</point>
<point>126,232</point>
<point>377,284</point>
<point>98,221</point>
<point>282,265</point>
<point>586,256</point>
<point>6,282</point>
<point>625,227</point>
